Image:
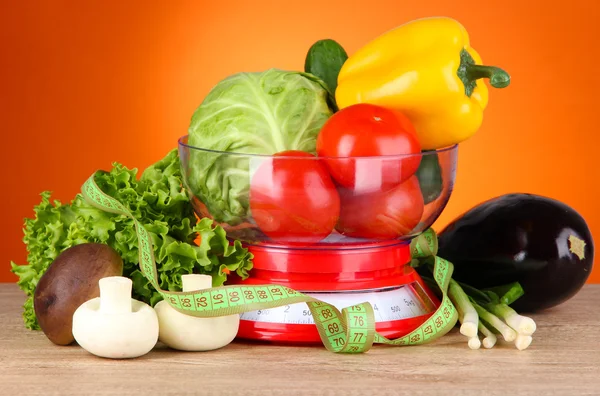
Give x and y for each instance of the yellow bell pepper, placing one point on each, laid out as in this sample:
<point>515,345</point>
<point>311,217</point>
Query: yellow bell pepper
<point>426,69</point>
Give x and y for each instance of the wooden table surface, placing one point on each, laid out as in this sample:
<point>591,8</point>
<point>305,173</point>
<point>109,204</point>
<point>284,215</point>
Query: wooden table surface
<point>564,359</point>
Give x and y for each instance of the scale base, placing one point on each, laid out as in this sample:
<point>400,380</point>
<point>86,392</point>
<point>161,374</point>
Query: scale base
<point>379,275</point>
<point>307,334</point>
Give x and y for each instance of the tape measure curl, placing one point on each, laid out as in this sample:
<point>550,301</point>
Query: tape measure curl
<point>350,331</point>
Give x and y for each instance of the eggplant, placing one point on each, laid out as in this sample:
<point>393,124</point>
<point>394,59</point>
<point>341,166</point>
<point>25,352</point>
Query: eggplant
<point>540,242</point>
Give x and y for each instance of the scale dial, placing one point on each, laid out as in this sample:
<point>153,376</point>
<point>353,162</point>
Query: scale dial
<point>389,304</point>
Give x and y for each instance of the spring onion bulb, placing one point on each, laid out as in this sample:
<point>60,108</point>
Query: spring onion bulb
<point>490,338</point>
<point>522,324</point>
<point>474,342</point>
<point>523,341</point>
<point>467,314</point>
<point>507,332</point>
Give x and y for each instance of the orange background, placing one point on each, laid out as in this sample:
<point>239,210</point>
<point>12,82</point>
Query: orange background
<point>86,83</point>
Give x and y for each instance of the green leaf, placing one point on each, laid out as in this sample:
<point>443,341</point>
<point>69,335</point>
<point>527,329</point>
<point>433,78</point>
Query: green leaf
<point>251,113</point>
<point>507,294</point>
<point>477,295</point>
<point>159,202</point>
<point>429,175</point>
<point>324,60</point>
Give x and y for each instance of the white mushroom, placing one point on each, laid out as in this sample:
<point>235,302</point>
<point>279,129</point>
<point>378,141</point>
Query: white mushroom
<point>189,333</point>
<point>114,325</point>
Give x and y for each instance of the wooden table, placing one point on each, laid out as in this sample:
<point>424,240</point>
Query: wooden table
<point>564,359</point>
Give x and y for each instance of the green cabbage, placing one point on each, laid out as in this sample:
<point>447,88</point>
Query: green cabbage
<point>158,201</point>
<point>252,113</point>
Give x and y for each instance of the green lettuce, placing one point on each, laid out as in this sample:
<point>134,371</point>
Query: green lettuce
<point>250,113</point>
<point>159,202</point>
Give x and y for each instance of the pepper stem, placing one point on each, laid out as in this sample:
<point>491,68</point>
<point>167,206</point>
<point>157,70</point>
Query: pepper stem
<point>498,77</point>
<point>469,73</point>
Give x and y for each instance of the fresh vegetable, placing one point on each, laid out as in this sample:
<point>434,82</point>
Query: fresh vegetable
<point>427,69</point>
<point>522,324</point>
<point>539,242</point>
<point>480,311</point>
<point>490,338</point>
<point>324,60</point>
<point>381,215</point>
<point>188,333</point>
<point>474,342</point>
<point>484,311</point>
<point>366,130</point>
<point>292,198</point>
<point>430,176</point>
<point>114,325</point>
<point>158,201</point>
<point>251,113</point>
<point>523,341</point>
<point>508,333</point>
<point>70,280</point>
<point>467,314</point>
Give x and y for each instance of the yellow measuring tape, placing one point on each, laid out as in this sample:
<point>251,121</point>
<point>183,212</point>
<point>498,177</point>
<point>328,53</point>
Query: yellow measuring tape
<point>350,331</point>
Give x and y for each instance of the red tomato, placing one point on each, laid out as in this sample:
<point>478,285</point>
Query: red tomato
<point>294,199</point>
<point>382,215</point>
<point>366,130</point>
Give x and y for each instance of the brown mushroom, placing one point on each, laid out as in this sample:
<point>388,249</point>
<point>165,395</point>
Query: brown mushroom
<point>71,280</point>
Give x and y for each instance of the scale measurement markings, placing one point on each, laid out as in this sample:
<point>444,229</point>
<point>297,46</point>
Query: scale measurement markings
<point>389,305</point>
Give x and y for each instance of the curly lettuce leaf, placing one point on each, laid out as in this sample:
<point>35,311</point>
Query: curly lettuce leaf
<point>159,202</point>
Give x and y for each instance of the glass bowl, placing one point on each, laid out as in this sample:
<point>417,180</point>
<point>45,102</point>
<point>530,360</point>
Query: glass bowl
<point>300,200</point>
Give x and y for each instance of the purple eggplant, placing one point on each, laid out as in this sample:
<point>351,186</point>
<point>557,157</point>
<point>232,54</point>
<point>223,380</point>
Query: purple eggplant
<point>540,242</point>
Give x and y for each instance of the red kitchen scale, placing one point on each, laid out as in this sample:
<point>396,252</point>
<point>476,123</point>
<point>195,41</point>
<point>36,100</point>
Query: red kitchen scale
<point>342,276</point>
<point>339,270</point>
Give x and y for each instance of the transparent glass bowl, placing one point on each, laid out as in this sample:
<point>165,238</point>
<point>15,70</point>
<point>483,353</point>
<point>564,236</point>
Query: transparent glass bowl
<point>298,199</point>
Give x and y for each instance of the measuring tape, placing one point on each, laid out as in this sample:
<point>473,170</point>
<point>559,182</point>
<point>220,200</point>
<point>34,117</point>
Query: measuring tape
<point>350,331</point>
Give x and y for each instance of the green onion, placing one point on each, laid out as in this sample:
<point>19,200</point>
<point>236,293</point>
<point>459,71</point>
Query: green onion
<point>523,341</point>
<point>487,312</point>
<point>509,293</point>
<point>478,295</point>
<point>467,314</point>
<point>507,332</point>
<point>522,324</point>
<point>474,342</point>
<point>490,338</point>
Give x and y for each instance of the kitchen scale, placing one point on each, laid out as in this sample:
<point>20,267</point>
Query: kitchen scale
<point>339,270</point>
<point>343,276</point>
